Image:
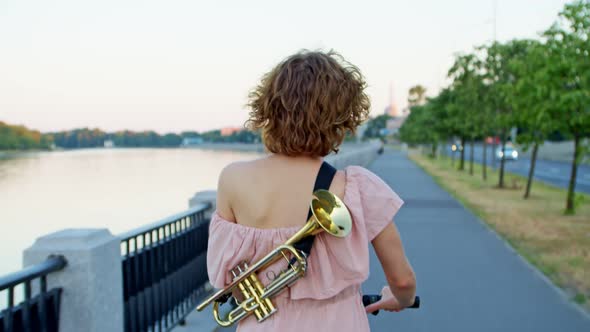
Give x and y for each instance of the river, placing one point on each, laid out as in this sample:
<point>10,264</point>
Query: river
<point>118,189</point>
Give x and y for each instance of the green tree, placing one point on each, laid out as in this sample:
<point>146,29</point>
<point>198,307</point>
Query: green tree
<point>212,136</point>
<point>428,124</point>
<point>376,125</point>
<point>190,134</point>
<point>416,95</point>
<point>467,88</point>
<point>568,70</point>
<point>530,101</point>
<point>501,79</point>
<point>16,137</point>
<point>439,108</point>
<point>418,128</point>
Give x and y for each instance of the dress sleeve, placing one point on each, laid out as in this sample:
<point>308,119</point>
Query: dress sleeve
<point>225,249</point>
<point>380,203</point>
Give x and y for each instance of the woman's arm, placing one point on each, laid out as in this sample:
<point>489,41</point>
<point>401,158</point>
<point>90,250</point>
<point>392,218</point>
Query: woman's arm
<point>400,275</point>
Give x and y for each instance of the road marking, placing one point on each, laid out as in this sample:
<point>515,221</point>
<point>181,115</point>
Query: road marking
<point>564,177</point>
<point>551,176</point>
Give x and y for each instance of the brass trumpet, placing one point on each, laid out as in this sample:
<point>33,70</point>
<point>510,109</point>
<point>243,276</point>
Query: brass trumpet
<point>328,214</point>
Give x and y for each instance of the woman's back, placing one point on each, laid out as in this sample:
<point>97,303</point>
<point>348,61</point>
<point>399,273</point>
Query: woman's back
<point>272,192</point>
<point>336,266</point>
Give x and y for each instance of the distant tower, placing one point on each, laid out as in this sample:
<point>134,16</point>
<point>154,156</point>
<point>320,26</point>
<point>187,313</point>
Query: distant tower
<point>392,108</point>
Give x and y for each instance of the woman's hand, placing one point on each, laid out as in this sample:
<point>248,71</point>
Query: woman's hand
<point>388,302</point>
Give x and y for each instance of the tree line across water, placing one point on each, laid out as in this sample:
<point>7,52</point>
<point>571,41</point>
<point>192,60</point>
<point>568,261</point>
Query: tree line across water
<point>14,137</point>
<point>17,137</point>
<point>540,86</point>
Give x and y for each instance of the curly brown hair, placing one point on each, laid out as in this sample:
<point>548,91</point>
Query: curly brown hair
<point>307,104</point>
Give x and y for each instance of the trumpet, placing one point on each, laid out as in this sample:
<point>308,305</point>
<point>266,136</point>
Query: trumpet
<point>329,214</point>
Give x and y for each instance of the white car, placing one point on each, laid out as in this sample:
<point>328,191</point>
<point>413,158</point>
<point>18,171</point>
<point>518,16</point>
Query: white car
<point>510,153</point>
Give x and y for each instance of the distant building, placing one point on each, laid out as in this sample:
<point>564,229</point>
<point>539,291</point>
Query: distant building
<point>228,131</point>
<point>109,143</point>
<point>392,110</point>
<point>188,141</point>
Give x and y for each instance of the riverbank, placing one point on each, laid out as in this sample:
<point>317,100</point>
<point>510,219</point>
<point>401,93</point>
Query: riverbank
<point>14,153</point>
<point>259,147</point>
<point>250,147</point>
<point>536,228</point>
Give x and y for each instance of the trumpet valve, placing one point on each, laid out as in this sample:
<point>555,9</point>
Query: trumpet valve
<point>239,269</point>
<point>252,288</point>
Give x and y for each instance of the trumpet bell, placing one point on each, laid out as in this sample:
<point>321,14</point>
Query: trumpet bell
<point>331,213</point>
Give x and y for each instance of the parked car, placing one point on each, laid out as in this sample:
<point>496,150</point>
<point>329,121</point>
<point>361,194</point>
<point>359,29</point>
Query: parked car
<point>510,153</point>
<point>457,147</point>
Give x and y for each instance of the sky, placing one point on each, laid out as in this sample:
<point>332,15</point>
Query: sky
<point>178,65</point>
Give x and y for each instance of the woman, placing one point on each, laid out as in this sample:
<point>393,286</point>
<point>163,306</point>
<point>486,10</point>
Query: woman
<point>304,107</point>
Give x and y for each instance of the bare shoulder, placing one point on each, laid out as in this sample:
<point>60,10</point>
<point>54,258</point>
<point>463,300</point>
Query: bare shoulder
<point>238,175</point>
<point>237,170</point>
<point>231,170</point>
<point>230,179</point>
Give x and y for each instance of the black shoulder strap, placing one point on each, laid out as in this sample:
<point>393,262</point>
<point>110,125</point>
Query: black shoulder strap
<point>322,181</point>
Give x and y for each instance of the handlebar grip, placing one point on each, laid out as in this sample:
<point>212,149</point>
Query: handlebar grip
<point>369,299</point>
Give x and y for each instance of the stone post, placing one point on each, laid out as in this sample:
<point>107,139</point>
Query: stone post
<point>206,196</point>
<point>92,281</point>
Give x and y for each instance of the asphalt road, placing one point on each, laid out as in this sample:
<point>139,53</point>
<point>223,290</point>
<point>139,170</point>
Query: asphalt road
<point>553,172</point>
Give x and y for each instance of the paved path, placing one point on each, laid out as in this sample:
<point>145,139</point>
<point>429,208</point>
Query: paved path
<point>469,280</point>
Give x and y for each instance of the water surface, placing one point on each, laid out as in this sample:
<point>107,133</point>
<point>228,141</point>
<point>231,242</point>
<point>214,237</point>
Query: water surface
<point>118,189</point>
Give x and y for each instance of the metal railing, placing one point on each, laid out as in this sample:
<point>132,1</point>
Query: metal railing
<point>34,313</point>
<point>164,270</point>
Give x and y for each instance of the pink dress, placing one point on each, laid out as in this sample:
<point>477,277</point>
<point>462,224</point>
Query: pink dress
<point>328,298</point>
